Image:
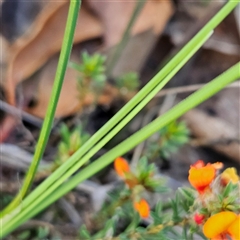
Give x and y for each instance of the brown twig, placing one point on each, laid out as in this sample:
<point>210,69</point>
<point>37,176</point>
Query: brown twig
<point>206,143</point>
<point>71,212</point>
<point>190,88</point>
<point>36,223</point>
<point>17,158</point>
<point>223,47</point>
<point>20,114</point>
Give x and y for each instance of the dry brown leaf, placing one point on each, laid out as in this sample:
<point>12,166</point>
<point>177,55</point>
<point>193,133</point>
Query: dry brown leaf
<point>46,42</point>
<point>28,55</point>
<point>146,30</point>
<point>68,95</point>
<point>3,50</point>
<point>115,16</point>
<point>208,128</point>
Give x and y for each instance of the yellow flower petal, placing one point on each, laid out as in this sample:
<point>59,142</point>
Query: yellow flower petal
<point>218,224</point>
<point>217,165</point>
<point>234,229</point>
<point>229,175</point>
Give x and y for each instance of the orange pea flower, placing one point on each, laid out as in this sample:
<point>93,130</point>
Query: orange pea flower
<point>229,175</point>
<point>217,165</point>
<point>121,166</point>
<point>221,225</point>
<point>201,175</point>
<point>142,208</point>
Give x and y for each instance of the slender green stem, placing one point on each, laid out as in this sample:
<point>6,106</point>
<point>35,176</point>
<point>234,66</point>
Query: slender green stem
<point>106,128</point>
<point>189,103</point>
<point>47,124</point>
<point>33,204</point>
<point>12,220</point>
<point>192,101</point>
<point>133,102</point>
<point>119,49</point>
<point>30,199</point>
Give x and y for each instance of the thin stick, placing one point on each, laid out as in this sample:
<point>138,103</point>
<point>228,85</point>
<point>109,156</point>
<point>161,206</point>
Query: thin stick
<point>167,103</point>
<point>190,88</point>
<point>37,122</point>
<point>125,37</point>
<point>204,142</point>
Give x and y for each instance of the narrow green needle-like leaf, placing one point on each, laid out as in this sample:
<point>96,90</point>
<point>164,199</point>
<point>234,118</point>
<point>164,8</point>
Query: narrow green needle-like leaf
<point>48,121</point>
<point>32,204</point>
<point>132,103</point>
<point>50,190</point>
<point>192,101</point>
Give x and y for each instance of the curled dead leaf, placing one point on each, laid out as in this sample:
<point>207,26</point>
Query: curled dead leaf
<point>44,40</point>
<point>154,15</point>
<point>211,129</point>
<point>30,52</point>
